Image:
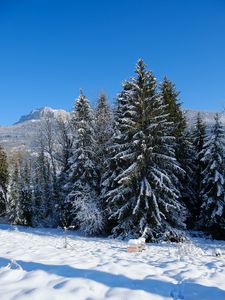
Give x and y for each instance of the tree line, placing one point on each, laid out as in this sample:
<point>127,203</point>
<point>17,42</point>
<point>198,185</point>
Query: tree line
<point>133,170</point>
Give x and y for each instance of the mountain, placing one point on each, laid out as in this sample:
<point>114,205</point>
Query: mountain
<point>23,134</point>
<point>207,116</point>
<point>41,113</point>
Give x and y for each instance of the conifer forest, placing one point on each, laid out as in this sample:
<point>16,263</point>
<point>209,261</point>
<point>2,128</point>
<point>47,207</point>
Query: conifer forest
<point>128,169</point>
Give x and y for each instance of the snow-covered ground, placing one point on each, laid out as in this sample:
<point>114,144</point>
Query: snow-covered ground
<point>35,265</point>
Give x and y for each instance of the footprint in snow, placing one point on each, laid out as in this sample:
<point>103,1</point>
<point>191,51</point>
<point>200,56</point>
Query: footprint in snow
<point>176,293</point>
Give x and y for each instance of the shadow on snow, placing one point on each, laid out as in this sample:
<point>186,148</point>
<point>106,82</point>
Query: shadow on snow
<point>189,290</point>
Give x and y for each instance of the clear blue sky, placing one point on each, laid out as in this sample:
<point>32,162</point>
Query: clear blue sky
<point>51,48</point>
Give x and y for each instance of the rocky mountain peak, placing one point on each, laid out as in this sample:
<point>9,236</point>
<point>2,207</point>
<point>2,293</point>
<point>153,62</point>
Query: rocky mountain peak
<point>40,113</point>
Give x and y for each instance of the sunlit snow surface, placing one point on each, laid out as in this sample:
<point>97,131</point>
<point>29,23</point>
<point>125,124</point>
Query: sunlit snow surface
<point>35,265</point>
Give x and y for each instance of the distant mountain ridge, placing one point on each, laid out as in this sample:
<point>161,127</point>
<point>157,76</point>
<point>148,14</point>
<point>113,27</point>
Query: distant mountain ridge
<point>44,112</point>
<point>207,116</point>
<point>22,134</point>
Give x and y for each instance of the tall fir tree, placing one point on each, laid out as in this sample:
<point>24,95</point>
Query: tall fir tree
<point>103,135</point>
<point>198,140</point>
<point>42,194</point>
<point>13,198</point>
<point>64,141</point>
<point>103,130</point>
<point>24,205</point>
<point>48,144</point>
<point>212,216</point>
<point>83,178</point>
<point>170,97</point>
<point>65,152</point>
<point>19,207</point>
<point>4,178</point>
<point>140,182</point>
<point>184,149</point>
<point>186,157</point>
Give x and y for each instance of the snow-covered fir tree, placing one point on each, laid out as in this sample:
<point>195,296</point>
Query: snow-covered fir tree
<point>42,193</point>
<point>83,177</point>
<point>103,137</point>
<point>19,207</point>
<point>198,140</point>
<point>51,151</point>
<point>170,97</point>
<point>187,185</point>
<point>13,197</point>
<point>64,139</point>
<point>212,216</point>
<point>103,130</point>
<point>4,178</point>
<point>183,145</point>
<point>140,181</point>
<point>24,205</point>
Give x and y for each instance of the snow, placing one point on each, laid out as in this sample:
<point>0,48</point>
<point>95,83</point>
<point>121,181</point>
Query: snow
<point>139,241</point>
<point>35,265</point>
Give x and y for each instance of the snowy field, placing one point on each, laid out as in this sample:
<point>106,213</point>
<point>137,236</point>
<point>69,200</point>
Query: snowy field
<point>34,265</point>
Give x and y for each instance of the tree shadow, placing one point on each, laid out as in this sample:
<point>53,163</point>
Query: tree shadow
<point>187,290</point>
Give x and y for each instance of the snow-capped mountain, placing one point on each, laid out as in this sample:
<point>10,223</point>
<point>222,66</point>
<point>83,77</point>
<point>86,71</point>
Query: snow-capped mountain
<point>44,112</point>
<point>22,134</point>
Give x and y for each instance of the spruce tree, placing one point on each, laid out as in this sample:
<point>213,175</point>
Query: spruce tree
<point>24,205</point>
<point>170,97</point>
<point>83,177</point>
<point>103,130</point>
<point>65,142</point>
<point>51,152</point>
<point>4,178</point>
<point>140,182</point>
<point>42,193</point>
<point>184,150</point>
<point>187,185</point>
<point>198,139</point>
<point>103,134</point>
<point>212,216</point>
<point>13,199</point>
<point>19,207</point>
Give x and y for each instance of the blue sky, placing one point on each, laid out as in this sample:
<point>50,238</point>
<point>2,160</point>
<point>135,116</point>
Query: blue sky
<point>51,48</point>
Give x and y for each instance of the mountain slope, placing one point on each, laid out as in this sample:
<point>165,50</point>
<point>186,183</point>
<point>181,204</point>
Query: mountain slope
<point>22,134</point>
